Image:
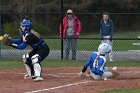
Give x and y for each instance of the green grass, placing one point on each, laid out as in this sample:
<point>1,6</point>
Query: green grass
<point>118,45</point>
<point>92,45</point>
<point>122,91</point>
<point>8,63</point>
<point>12,63</point>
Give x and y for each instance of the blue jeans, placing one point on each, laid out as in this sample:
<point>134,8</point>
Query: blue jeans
<point>70,41</point>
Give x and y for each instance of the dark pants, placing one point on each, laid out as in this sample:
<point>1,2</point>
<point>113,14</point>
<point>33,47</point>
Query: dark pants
<point>70,41</point>
<point>43,53</point>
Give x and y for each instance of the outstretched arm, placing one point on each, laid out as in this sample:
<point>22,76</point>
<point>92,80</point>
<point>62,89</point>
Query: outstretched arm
<point>20,46</point>
<point>17,41</point>
<point>86,66</point>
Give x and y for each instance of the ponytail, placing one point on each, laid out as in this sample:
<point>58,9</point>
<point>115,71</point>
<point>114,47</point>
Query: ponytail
<point>36,33</point>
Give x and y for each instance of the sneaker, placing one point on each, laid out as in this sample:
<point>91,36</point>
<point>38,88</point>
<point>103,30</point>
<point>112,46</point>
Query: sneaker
<point>27,77</point>
<point>111,60</point>
<point>38,79</point>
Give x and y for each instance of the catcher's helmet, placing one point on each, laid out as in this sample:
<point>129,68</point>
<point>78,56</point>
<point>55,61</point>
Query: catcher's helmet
<point>104,48</point>
<point>27,24</point>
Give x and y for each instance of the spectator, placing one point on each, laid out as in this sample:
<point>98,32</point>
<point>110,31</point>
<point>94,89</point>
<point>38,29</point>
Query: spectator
<point>71,30</point>
<point>106,31</point>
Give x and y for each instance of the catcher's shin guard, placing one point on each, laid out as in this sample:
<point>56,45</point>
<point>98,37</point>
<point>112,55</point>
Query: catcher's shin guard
<point>37,69</point>
<point>36,64</point>
<point>28,69</point>
<point>28,65</point>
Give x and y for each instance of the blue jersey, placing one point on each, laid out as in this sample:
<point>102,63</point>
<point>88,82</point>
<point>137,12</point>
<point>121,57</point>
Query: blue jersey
<point>106,29</point>
<point>96,63</point>
<point>28,38</point>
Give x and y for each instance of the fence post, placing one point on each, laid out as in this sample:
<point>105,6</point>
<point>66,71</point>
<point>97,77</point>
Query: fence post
<point>62,29</point>
<point>0,24</point>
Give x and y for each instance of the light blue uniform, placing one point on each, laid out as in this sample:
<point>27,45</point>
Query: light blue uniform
<point>96,67</point>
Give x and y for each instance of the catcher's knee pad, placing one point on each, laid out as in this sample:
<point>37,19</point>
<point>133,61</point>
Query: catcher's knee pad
<point>26,58</point>
<point>35,59</point>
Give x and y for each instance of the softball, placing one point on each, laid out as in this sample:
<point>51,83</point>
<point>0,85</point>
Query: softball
<point>1,37</point>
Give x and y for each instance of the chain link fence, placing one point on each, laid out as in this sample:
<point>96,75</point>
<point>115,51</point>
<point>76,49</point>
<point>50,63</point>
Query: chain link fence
<point>46,16</point>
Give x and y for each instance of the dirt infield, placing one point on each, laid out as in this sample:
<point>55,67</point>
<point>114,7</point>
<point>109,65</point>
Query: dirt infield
<point>65,80</point>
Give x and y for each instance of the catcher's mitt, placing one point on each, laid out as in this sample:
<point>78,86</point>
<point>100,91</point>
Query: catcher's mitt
<point>7,40</point>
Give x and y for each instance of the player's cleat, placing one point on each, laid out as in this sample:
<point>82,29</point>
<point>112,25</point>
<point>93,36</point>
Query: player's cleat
<point>33,77</point>
<point>114,69</point>
<point>27,77</point>
<point>115,73</point>
<point>38,79</point>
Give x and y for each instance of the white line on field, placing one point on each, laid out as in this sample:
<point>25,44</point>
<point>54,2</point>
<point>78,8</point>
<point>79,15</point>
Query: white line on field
<point>58,87</point>
<point>11,73</point>
<point>69,73</point>
<point>54,75</point>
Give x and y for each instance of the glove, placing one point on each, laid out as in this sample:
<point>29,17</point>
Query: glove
<point>83,74</point>
<point>7,40</point>
<point>80,73</point>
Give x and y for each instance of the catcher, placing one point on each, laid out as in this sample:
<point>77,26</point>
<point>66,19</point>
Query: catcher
<point>97,64</point>
<point>38,54</point>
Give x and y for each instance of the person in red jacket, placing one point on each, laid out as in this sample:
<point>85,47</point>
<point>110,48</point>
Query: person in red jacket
<point>70,33</point>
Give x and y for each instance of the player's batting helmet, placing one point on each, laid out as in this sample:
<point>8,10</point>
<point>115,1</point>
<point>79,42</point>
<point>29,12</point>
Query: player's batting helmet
<point>104,48</point>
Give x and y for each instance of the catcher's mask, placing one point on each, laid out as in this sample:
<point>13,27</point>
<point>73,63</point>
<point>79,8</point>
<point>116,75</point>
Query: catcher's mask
<point>27,24</point>
<point>104,48</point>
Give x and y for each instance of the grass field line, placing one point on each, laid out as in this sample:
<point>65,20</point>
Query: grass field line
<point>58,87</point>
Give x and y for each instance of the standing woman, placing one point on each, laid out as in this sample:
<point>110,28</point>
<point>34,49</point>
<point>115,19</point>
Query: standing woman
<point>71,31</point>
<point>33,59</point>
